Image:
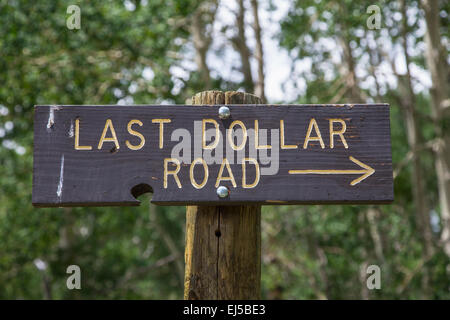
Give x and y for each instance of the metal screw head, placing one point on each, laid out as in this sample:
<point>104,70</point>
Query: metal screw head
<point>222,192</point>
<point>224,112</point>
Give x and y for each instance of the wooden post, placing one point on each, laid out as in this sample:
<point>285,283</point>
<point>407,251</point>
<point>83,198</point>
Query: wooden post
<point>223,243</point>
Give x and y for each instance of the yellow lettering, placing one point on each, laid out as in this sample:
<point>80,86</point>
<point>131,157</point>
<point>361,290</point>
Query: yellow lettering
<point>313,124</point>
<point>285,146</point>
<point>244,135</point>
<point>257,146</point>
<point>103,138</point>
<point>135,133</point>
<point>191,173</point>
<point>244,182</point>
<point>174,172</point>
<point>77,137</point>
<point>216,140</point>
<point>340,133</point>
<point>229,178</point>
<point>161,130</point>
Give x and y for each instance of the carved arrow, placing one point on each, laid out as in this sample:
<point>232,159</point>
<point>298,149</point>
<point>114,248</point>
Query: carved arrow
<point>367,172</point>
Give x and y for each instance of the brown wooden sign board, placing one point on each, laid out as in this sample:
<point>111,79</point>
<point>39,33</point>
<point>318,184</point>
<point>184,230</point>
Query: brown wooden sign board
<point>263,154</point>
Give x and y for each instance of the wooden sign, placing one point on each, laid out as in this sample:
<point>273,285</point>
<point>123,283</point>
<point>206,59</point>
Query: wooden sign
<point>266,154</point>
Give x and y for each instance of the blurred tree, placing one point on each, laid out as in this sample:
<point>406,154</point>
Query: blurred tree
<point>123,53</point>
<point>436,57</point>
<point>346,62</point>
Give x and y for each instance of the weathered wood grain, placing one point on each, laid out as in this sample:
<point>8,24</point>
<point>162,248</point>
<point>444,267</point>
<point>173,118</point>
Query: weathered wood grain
<point>223,243</point>
<point>64,176</point>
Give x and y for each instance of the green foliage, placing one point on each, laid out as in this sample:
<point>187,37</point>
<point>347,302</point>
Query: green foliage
<point>335,242</point>
<point>43,62</point>
<point>125,55</point>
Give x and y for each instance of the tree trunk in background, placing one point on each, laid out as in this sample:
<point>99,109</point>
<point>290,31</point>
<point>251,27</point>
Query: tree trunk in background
<point>365,258</point>
<point>353,94</point>
<point>439,69</point>
<point>240,44</point>
<point>408,102</point>
<point>202,39</point>
<point>372,215</point>
<point>374,65</point>
<point>260,84</point>
<point>353,90</point>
